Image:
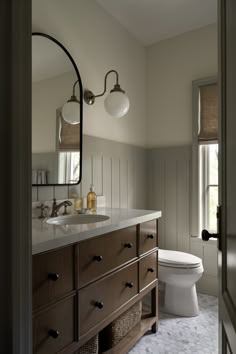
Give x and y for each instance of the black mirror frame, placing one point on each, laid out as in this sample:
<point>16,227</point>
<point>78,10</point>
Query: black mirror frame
<point>81,106</point>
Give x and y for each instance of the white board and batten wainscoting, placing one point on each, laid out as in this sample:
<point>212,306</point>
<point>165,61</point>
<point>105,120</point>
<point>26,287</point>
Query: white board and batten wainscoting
<point>135,177</point>
<point>169,181</point>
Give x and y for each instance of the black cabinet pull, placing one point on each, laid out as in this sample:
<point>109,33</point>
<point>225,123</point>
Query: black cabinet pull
<point>53,276</point>
<point>98,258</point>
<point>150,236</point>
<point>99,305</point>
<point>128,245</point>
<point>53,333</point>
<point>150,270</point>
<point>129,285</point>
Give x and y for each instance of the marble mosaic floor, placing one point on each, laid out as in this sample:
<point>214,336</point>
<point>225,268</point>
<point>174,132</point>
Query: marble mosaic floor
<point>182,335</point>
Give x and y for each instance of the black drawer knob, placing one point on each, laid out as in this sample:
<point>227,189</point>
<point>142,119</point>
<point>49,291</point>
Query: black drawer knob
<point>150,270</point>
<point>129,285</point>
<point>98,258</point>
<point>53,276</point>
<point>150,236</point>
<point>53,333</point>
<point>128,245</point>
<point>99,305</point>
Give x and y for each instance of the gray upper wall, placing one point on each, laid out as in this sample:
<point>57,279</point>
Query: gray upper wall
<point>172,66</point>
<point>98,43</point>
<point>157,79</point>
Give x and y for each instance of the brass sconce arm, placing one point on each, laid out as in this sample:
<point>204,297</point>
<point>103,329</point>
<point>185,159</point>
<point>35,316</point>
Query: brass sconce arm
<point>89,97</point>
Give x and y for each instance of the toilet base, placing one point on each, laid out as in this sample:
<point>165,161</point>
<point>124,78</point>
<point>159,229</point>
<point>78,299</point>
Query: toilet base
<point>181,301</point>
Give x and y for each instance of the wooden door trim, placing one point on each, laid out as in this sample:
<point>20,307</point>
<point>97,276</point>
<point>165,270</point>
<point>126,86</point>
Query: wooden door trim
<point>227,324</point>
<point>227,328</point>
<point>15,209</point>
<point>221,105</point>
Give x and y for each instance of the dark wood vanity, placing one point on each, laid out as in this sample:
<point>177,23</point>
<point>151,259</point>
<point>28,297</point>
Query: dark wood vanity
<point>81,288</point>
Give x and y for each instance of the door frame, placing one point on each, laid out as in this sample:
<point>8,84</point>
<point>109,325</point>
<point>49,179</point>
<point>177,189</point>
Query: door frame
<point>226,324</point>
<point>15,177</point>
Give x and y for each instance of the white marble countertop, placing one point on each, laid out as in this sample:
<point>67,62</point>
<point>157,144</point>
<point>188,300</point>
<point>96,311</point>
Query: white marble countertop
<point>46,237</point>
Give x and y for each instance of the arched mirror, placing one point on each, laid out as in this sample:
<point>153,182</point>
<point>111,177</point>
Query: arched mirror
<point>57,114</point>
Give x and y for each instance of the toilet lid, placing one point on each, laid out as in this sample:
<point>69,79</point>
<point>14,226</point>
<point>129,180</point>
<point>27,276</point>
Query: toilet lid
<point>178,259</point>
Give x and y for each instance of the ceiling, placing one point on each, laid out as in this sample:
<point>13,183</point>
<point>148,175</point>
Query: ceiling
<point>150,21</point>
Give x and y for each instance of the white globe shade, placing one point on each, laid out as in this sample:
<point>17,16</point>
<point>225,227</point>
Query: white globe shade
<point>116,104</point>
<point>71,112</point>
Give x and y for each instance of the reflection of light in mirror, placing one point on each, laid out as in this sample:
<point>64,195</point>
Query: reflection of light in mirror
<point>69,167</point>
<point>71,109</point>
<point>56,142</point>
<point>39,176</point>
<point>71,112</point>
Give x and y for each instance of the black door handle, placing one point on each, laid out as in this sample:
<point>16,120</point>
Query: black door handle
<point>206,235</point>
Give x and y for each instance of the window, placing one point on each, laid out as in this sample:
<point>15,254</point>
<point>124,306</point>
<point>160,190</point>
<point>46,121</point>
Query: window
<point>205,156</point>
<point>68,147</point>
<point>68,167</point>
<point>208,186</point>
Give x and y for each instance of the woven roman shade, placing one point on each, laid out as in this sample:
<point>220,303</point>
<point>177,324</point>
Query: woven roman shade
<point>208,117</point>
<point>69,136</point>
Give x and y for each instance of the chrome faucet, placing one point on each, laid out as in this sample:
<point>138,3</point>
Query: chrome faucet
<point>56,207</point>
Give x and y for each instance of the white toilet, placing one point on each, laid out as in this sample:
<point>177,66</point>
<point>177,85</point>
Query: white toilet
<point>180,271</point>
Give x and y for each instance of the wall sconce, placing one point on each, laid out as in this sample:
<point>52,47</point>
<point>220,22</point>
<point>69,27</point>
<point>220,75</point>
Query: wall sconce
<point>71,109</point>
<point>116,103</point>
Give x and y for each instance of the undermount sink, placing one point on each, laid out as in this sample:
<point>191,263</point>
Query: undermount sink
<point>77,219</point>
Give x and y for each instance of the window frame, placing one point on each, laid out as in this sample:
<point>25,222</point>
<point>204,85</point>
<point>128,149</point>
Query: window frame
<point>196,168</point>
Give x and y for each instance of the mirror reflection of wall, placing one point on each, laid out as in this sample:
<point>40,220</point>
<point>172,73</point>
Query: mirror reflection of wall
<point>55,142</point>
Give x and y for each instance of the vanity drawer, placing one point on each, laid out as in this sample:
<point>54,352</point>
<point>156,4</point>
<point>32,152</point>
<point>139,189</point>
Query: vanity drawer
<point>98,256</point>
<point>59,320</point>
<point>147,236</point>
<point>52,275</point>
<point>147,270</point>
<point>100,299</point>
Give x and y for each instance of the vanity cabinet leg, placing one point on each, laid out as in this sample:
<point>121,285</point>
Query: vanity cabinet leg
<point>154,327</point>
<point>154,302</point>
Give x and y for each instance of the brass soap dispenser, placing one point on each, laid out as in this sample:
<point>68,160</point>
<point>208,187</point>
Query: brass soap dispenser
<point>92,200</point>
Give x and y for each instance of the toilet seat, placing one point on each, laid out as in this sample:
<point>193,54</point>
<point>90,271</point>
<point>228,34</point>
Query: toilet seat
<point>176,259</point>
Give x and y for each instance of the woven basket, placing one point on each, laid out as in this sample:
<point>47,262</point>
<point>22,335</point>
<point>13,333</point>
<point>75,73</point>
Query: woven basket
<point>118,329</point>
<point>91,347</point>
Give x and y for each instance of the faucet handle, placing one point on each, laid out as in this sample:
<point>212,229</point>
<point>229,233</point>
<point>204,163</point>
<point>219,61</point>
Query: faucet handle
<point>56,207</point>
<point>65,211</point>
<point>66,204</point>
<point>42,207</point>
